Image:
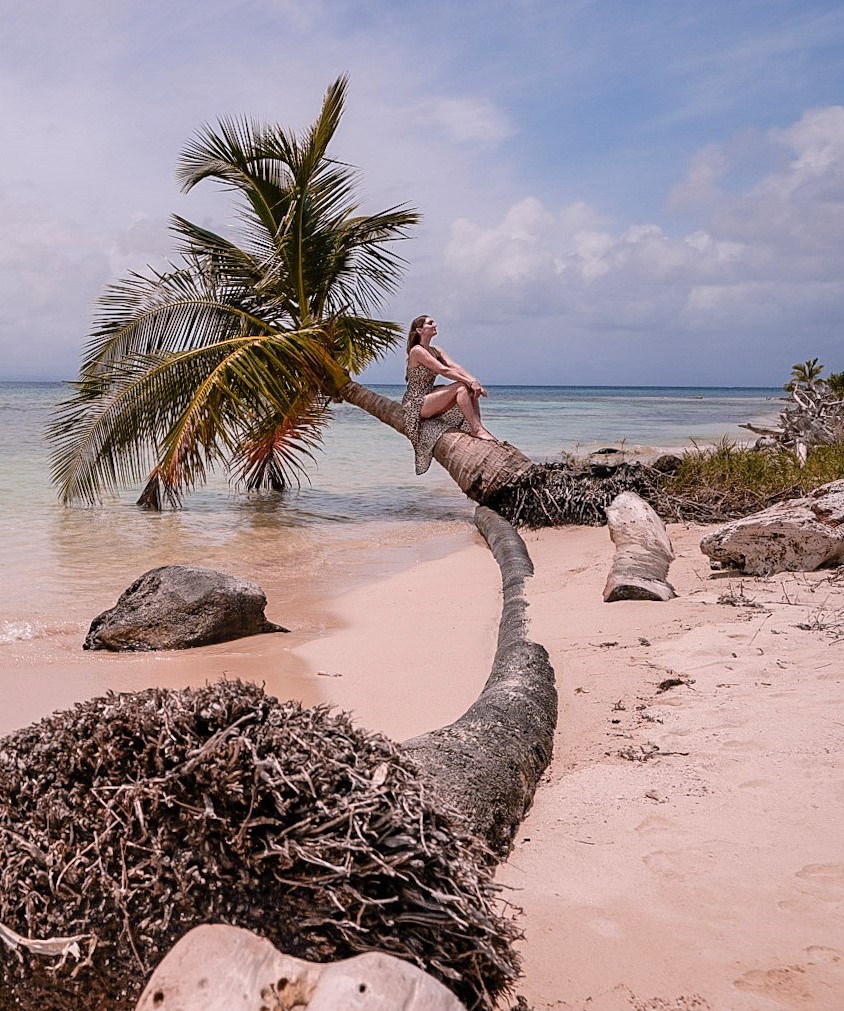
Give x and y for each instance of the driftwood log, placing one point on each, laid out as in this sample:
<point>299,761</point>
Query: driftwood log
<point>221,968</point>
<point>488,762</point>
<point>643,552</point>
<point>800,535</point>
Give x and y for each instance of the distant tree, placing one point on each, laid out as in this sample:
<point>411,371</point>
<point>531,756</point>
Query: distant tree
<point>804,375</point>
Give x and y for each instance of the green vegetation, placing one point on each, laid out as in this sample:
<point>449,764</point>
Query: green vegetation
<point>728,480</point>
<point>835,381</point>
<point>232,357</point>
<point>804,374</point>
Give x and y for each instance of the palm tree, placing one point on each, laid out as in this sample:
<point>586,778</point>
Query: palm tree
<point>804,375</point>
<point>233,355</point>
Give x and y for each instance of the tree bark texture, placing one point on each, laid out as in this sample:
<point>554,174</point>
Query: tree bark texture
<point>643,552</point>
<point>488,762</point>
<point>479,468</point>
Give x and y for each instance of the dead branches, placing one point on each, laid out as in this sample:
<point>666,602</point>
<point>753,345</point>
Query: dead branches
<point>132,818</point>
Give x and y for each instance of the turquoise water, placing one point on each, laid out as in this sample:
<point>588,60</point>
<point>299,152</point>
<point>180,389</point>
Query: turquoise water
<point>61,566</point>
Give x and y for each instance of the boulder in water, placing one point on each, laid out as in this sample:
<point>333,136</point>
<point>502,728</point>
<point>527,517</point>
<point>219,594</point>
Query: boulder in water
<point>177,607</point>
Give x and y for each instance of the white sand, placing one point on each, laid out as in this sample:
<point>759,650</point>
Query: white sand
<point>709,877</point>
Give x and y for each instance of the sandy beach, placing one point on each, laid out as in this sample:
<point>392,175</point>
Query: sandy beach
<point>684,849</point>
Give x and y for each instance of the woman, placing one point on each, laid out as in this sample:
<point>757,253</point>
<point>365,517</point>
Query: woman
<point>431,410</point>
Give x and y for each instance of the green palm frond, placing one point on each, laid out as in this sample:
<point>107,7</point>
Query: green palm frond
<point>149,407</point>
<point>229,356</point>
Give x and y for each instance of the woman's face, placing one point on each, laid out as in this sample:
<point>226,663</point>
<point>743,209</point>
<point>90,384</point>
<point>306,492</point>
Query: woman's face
<point>428,328</point>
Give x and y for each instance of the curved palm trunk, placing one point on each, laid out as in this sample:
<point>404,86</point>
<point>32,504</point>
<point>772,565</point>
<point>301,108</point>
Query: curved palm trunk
<point>479,468</point>
<point>488,762</point>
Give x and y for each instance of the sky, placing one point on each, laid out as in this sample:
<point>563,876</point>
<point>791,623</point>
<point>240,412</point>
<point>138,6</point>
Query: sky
<point>613,193</point>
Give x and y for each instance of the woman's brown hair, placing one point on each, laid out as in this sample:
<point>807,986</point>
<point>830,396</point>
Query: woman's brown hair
<point>413,337</point>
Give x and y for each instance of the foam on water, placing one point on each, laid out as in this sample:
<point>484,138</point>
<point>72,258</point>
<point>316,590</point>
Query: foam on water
<point>18,631</point>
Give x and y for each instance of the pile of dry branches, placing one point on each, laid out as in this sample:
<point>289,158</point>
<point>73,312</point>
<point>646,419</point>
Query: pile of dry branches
<point>131,818</point>
<point>557,494</point>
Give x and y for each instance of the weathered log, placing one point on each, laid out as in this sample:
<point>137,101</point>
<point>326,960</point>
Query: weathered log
<point>643,552</point>
<point>221,968</point>
<point>800,535</point>
<point>488,762</point>
<point>180,606</point>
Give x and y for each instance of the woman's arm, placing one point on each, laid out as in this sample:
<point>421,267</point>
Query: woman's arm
<point>447,368</point>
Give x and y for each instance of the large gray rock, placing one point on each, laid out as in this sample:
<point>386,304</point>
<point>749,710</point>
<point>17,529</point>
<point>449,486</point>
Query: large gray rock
<point>176,607</point>
<point>800,535</point>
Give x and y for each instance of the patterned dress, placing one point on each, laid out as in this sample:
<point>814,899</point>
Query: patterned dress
<point>425,433</point>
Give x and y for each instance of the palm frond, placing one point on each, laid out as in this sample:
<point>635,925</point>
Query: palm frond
<point>270,456</point>
<point>188,407</point>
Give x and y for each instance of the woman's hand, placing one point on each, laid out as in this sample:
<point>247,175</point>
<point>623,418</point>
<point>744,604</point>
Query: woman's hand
<point>476,389</point>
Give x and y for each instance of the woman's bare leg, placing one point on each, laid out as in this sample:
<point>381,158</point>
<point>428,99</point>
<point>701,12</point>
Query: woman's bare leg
<point>440,400</point>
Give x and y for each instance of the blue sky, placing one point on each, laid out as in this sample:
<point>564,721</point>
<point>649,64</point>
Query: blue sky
<point>613,192</point>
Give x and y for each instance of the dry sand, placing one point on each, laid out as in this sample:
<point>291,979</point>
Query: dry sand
<point>685,851</point>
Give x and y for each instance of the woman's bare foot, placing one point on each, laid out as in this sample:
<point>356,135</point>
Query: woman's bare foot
<point>485,436</point>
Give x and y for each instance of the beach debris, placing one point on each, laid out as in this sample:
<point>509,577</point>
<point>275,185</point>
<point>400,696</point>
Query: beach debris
<point>739,599</point>
<point>64,947</point>
<point>132,818</point>
<point>799,535</point>
<point>604,462</point>
<point>179,606</point>
<point>673,682</point>
<point>645,752</point>
<point>643,552</point>
<point>667,463</point>
<point>813,416</point>
<point>218,966</point>
<point>568,492</point>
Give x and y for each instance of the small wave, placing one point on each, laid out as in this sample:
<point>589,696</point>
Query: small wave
<point>18,631</point>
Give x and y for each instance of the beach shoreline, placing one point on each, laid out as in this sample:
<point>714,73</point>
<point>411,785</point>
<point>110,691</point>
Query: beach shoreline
<point>43,667</point>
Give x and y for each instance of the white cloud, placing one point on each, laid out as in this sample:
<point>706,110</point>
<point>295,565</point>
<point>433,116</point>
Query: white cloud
<point>467,120</point>
<point>766,264</point>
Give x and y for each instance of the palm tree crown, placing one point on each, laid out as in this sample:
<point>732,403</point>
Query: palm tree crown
<point>231,356</point>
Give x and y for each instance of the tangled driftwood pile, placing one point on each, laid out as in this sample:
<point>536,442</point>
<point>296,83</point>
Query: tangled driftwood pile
<point>557,494</point>
<point>813,416</point>
<point>129,819</point>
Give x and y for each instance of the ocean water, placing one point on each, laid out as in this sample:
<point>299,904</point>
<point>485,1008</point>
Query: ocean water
<point>363,514</point>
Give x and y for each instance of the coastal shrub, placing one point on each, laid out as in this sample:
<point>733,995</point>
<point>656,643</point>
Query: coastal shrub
<point>132,818</point>
<point>711,484</point>
<point>727,480</point>
<point>835,381</point>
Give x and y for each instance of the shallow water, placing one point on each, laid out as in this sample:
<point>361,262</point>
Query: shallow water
<point>363,515</point>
